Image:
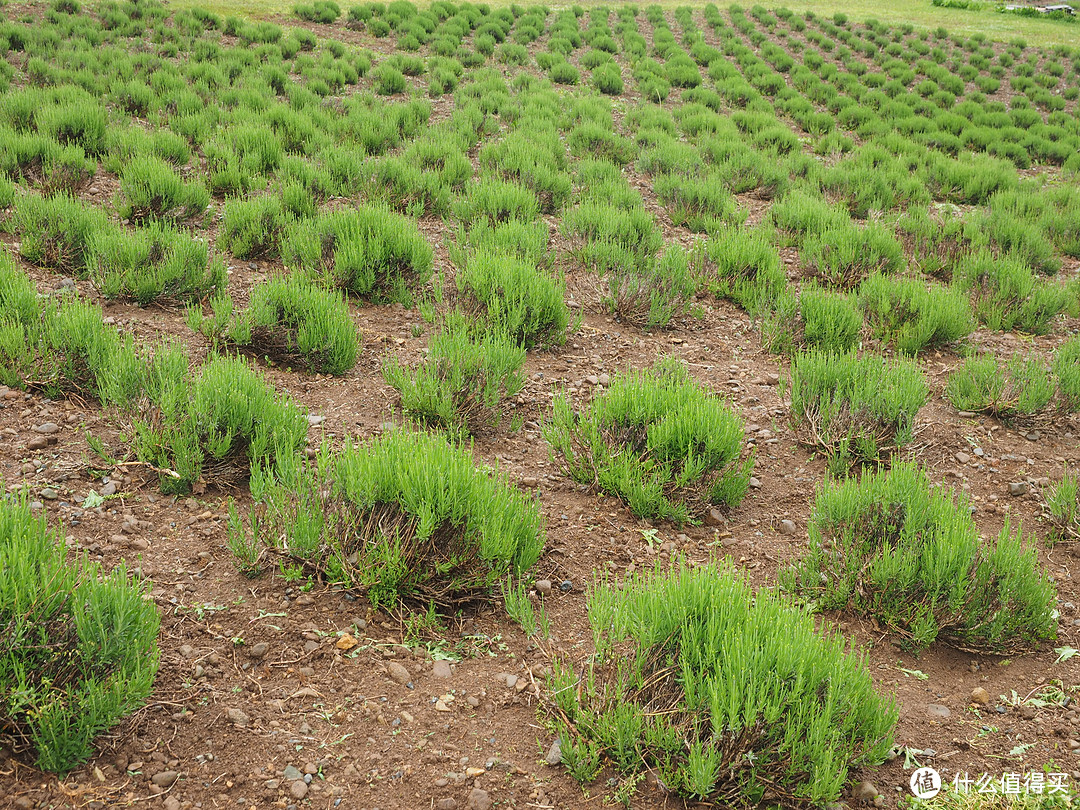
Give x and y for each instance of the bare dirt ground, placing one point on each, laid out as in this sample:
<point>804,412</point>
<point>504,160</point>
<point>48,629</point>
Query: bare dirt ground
<point>264,684</point>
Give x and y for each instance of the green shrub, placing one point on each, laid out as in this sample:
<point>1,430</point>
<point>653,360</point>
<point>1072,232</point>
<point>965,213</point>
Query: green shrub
<point>890,547</point>
<point>252,228</point>
<point>515,299</point>
<point>82,122</point>
<point>696,202</point>
<point>1024,389</point>
<point>80,648</point>
<point>601,143</point>
<point>467,376</point>
<point>843,257</point>
<point>564,73</point>
<point>634,231</point>
<point>649,296</point>
<point>856,409</point>
<point>607,78</point>
<point>157,263</point>
<point>321,11</point>
<point>497,200</point>
<point>1006,295</point>
<point>527,241</point>
<point>801,213</point>
<point>1063,505</point>
<point>216,428</point>
<point>55,232</point>
<point>369,251</point>
<point>151,189</point>
<point>744,266</point>
<point>407,517</point>
<point>817,319</point>
<point>1067,373</point>
<point>667,692</point>
<point>289,319</point>
<point>912,315</point>
<point>658,441</point>
<point>389,80</point>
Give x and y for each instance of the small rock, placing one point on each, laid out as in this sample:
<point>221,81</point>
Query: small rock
<point>962,457</point>
<point>592,379</point>
<point>46,428</point>
<point>398,673</point>
<point>442,669</point>
<point>980,696</point>
<point>1033,436</point>
<point>314,420</point>
<point>187,651</point>
<point>1074,745</point>
<point>165,778</point>
<point>37,443</point>
<point>446,804</point>
<point>171,803</point>
<point>604,379</point>
<point>238,717</point>
<point>714,517</point>
<point>298,789</point>
<point>49,494</point>
<point>938,711</point>
<point>1018,488</point>
<point>787,527</point>
<point>346,642</point>
<point>479,800</point>
<point>305,599</point>
<point>865,791</point>
<point>966,414</point>
<point>566,586</point>
<point>511,681</point>
<point>542,585</point>
<point>292,773</point>
<point>755,484</point>
<point>108,489</point>
<point>772,379</point>
<point>258,650</point>
<point>554,754</point>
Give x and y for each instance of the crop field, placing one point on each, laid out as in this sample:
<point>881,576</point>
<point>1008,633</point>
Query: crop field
<point>527,407</point>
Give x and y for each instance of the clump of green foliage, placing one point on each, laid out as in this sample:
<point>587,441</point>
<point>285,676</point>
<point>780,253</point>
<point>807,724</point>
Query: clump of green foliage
<point>252,228</point>
<point>651,296</point>
<point>156,263</point>
<point>514,298</point>
<point>63,347</point>
<point>1067,372</point>
<point>1024,388</point>
<point>55,232</point>
<point>216,427</point>
<point>1063,505</point>
<point>856,409</point>
<point>407,517</point>
<point>744,266</point>
<point>468,374</point>
<point>288,318</point>
<point>891,547</point>
<point>371,252</point>
<point>656,439</point>
<point>843,256</point>
<point>914,316</point>
<point>151,189</point>
<point>816,319</point>
<point>667,692</point>
<point>1006,294</point>
<point>80,648</point>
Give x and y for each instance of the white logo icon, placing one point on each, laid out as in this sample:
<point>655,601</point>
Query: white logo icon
<point>925,783</point>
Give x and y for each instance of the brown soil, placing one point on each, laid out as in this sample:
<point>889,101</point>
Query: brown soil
<point>229,716</point>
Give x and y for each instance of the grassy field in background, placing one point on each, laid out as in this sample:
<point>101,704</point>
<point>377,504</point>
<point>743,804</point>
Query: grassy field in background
<point>920,13</point>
